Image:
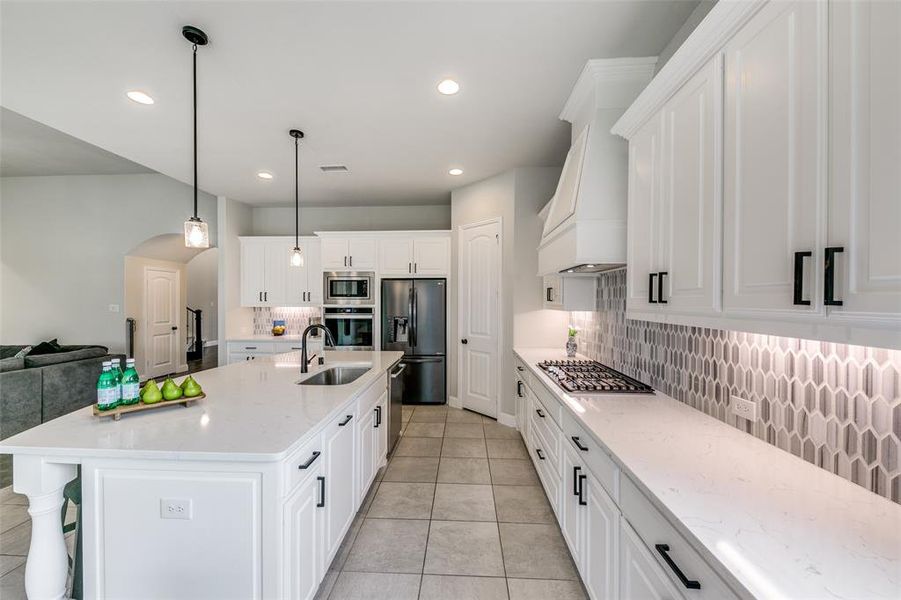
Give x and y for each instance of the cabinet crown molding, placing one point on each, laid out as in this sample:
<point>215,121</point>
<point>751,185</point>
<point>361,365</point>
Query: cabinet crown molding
<point>711,34</point>
<point>595,78</point>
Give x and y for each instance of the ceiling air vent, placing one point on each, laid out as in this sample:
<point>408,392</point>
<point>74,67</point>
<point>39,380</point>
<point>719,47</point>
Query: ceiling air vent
<point>333,168</point>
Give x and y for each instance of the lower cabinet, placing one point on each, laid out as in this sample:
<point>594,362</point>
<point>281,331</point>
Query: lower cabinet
<point>304,536</point>
<point>640,576</point>
<point>340,501</point>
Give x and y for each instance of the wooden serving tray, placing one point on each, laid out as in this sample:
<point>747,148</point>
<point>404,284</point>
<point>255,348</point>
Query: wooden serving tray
<point>117,412</point>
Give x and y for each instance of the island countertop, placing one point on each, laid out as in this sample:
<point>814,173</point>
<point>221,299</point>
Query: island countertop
<point>254,411</point>
<point>778,526</point>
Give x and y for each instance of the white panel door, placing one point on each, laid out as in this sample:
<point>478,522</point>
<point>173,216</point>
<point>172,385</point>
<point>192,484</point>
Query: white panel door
<point>340,466</point>
<point>313,249</point>
<point>396,256</point>
<point>690,265</point>
<point>479,317</point>
<point>645,182</point>
<point>334,253</point>
<point>362,253</point>
<point>774,159</point>
<point>600,531</point>
<point>303,520</point>
<point>278,256</point>
<point>253,264</point>
<point>865,197</point>
<point>431,256</point>
<point>641,578</point>
<point>161,294</point>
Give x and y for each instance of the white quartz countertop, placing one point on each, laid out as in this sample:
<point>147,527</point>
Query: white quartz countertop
<point>778,526</point>
<point>253,411</point>
<point>268,337</point>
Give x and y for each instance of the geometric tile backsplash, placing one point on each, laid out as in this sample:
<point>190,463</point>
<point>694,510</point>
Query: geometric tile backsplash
<point>835,405</point>
<point>296,319</point>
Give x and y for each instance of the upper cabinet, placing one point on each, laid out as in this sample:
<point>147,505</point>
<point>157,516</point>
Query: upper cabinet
<point>764,175</point>
<point>268,279</point>
<point>348,252</point>
<point>415,255</point>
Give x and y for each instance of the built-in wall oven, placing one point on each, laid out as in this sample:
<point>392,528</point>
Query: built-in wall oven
<point>352,327</point>
<point>348,288</point>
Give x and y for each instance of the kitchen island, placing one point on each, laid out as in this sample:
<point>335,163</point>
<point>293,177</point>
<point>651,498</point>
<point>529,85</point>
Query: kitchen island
<point>246,494</point>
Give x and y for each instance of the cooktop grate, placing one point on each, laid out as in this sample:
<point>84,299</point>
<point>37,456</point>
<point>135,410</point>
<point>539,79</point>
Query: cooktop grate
<point>588,376</point>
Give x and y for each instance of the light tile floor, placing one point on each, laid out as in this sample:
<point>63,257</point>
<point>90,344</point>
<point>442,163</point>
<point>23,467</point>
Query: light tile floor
<point>458,514</point>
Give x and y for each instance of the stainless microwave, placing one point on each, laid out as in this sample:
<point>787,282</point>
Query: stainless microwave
<point>348,287</point>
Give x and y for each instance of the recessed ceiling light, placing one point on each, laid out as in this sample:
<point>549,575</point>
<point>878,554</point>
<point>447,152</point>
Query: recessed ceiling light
<point>264,175</point>
<point>139,97</point>
<point>589,266</point>
<point>455,172</point>
<point>448,87</point>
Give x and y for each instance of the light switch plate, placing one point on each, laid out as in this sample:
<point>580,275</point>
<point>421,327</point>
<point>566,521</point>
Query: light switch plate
<point>746,409</point>
<point>176,508</point>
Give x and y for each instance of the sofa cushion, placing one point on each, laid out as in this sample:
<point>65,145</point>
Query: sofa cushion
<point>10,351</point>
<point>70,386</point>
<point>12,363</point>
<point>50,347</point>
<point>43,360</point>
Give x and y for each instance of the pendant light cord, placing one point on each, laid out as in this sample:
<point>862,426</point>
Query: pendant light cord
<point>195,131</point>
<point>296,194</point>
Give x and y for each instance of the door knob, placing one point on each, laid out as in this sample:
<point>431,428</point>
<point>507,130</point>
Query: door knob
<point>464,341</point>
<point>174,328</point>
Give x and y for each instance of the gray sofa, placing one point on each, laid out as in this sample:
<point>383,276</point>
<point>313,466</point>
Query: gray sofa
<point>37,389</point>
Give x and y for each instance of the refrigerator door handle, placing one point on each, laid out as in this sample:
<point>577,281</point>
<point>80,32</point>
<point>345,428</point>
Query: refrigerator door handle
<point>418,360</point>
<point>415,326</point>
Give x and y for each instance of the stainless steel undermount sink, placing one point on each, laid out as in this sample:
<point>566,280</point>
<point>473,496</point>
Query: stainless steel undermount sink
<point>337,375</point>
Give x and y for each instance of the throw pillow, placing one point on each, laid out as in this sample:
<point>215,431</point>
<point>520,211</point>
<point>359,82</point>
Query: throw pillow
<point>50,347</point>
<point>23,352</point>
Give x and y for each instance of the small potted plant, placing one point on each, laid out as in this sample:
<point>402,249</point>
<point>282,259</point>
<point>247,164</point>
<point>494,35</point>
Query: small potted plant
<point>571,345</point>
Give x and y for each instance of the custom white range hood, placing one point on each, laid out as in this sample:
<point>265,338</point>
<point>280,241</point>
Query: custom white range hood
<point>585,221</point>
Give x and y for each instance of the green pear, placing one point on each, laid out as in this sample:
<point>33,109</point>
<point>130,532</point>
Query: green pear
<point>191,388</point>
<point>151,393</point>
<point>170,390</point>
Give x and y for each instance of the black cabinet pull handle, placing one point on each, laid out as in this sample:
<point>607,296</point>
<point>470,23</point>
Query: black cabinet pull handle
<point>576,480</point>
<point>345,261</point>
<point>519,389</point>
<point>312,459</point>
<point>582,501</point>
<point>378,416</point>
<point>321,502</point>
<point>345,421</point>
<point>660,277</point>
<point>548,294</point>
<point>250,347</point>
<point>539,413</point>
<point>829,279</point>
<point>409,267</point>
<point>520,369</point>
<point>351,260</point>
<point>539,453</point>
<point>261,296</point>
<point>651,277</point>
<point>578,443</point>
<point>416,267</point>
<point>798,293</point>
<point>663,550</point>
<point>464,341</point>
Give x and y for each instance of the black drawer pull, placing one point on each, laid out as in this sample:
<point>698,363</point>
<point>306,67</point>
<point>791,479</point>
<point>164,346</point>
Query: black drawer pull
<point>312,459</point>
<point>518,368</point>
<point>539,413</point>
<point>321,502</point>
<point>345,421</point>
<point>651,277</point>
<point>250,347</point>
<point>519,389</point>
<point>578,443</point>
<point>582,479</point>
<point>798,288</point>
<point>539,453</point>
<point>829,278</point>
<point>660,277</point>
<point>378,416</point>
<point>576,487</point>
<point>663,550</point>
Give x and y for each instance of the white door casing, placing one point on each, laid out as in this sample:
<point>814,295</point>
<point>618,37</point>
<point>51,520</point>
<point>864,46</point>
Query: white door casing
<point>479,318</point>
<point>161,320</point>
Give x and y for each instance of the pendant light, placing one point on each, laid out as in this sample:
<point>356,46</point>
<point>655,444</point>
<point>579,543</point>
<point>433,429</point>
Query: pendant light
<point>197,232</point>
<point>296,253</point>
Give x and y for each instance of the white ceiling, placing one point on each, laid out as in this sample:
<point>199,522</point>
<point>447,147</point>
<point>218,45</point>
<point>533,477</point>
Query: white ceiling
<point>358,77</point>
<point>30,149</point>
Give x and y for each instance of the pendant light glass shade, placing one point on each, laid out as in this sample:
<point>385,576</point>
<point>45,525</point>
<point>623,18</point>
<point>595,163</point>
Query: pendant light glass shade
<point>197,233</point>
<point>297,257</point>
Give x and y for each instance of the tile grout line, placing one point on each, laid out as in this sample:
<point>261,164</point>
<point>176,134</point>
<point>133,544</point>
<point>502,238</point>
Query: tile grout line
<point>428,535</point>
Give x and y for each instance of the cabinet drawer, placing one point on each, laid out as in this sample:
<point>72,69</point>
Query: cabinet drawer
<point>254,347</point>
<point>595,458</point>
<point>371,396</point>
<point>655,530</point>
<point>302,463</point>
<point>548,403</point>
<point>547,473</point>
<point>522,371</point>
<point>546,437</point>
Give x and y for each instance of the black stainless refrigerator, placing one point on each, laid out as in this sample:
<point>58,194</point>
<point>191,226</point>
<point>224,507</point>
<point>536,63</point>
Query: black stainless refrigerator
<point>414,321</point>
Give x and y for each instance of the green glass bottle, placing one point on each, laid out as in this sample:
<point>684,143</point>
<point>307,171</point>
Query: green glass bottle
<point>107,388</point>
<point>130,384</point>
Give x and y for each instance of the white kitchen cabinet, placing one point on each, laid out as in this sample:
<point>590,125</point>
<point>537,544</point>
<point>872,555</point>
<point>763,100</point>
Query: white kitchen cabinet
<point>366,449</point>
<point>431,256</point>
<point>639,574</point>
<point>411,255</point>
<point>334,253</point>
<point>268,279</point>
<point>253,268</point>
<point>570,293</point>
<point>350,253</point>
<point>304,284</point>
<point>396,256</point>
<point>600,534</point>
<point>340,502</point>
<point>381,431</point>
<point>303,520</point>
<point>864,201</point>
<point>245,350</point>
<point>774,143</point>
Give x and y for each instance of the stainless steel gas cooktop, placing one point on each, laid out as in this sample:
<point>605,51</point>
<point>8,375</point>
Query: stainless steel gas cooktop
<point>588,376</point>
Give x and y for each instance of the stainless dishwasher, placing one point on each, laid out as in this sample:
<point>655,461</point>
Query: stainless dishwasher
<point>395,403</point>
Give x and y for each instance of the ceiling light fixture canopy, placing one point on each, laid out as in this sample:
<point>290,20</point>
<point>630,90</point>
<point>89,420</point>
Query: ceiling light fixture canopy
<point>296,252</point>
<point>448,87</point>
<point>197,232</point>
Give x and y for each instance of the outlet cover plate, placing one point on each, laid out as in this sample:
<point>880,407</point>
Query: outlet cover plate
<point>746,409</point>
<point>176,508</point>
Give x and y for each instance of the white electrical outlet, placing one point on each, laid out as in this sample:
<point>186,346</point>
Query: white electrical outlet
<point>175,508</point>
<point>746,409</point>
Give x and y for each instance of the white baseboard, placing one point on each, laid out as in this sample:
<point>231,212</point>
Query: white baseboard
<point>505,419</point>
<point>454,402</point>
<point>210,343</point>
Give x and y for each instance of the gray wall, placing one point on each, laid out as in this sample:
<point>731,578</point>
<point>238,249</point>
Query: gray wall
<point>690,23</point>
<point>62,246</point>
<point>280,220</point>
